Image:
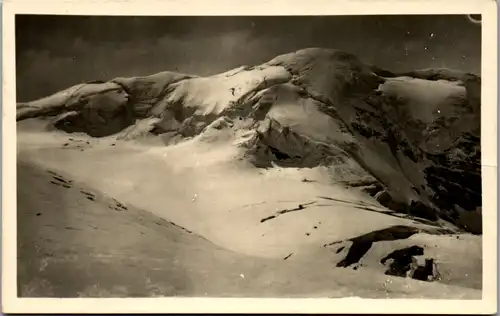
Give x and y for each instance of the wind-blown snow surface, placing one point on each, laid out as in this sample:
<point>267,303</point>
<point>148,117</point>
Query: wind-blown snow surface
<point>277,164</point>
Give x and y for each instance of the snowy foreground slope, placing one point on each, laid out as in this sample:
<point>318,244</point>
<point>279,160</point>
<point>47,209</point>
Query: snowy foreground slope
<point>271,171</point>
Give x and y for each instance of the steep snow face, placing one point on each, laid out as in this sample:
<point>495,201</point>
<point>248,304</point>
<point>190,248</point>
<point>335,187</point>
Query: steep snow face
<point>415,136</point>
<point>291,106</point>
<point>212,95</point>
<point>293,131</point>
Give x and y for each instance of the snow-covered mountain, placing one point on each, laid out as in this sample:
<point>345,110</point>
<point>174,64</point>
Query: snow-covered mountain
<point>413,137</point>
<point>309,155</point>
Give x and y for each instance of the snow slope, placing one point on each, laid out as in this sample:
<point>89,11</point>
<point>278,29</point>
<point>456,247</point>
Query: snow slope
<point>76,241</point>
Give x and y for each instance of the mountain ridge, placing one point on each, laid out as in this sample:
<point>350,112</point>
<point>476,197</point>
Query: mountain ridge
<point>414,134</point>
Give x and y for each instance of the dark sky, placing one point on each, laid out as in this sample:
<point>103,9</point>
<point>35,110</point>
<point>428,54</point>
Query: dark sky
<point>54,52</point>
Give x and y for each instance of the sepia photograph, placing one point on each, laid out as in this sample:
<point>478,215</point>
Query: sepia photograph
<point>237,156</point>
